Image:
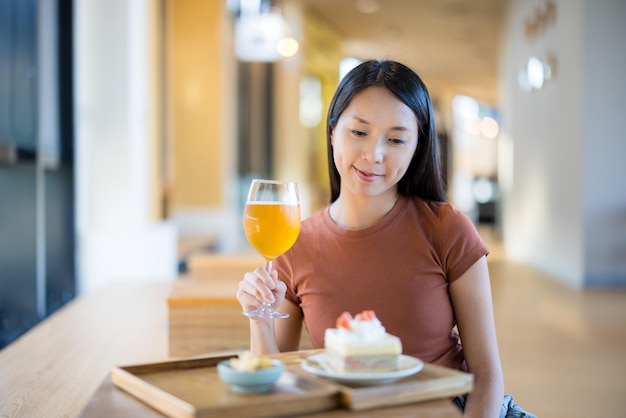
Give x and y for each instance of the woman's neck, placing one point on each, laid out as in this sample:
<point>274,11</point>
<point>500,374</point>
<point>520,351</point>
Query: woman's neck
<point>359,212</point>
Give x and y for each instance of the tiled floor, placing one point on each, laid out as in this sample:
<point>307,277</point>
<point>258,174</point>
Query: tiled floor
<point>563,350</point>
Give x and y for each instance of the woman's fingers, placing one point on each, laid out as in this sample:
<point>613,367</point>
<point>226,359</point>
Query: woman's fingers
<point>246,300</point>
<point>257,285</point>
<point>264,276</point>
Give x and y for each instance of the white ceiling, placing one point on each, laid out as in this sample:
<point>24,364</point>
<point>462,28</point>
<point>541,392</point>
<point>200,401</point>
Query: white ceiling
<point>451,43</point>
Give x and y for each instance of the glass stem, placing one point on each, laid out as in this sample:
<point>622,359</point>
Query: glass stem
<point>269,268</point>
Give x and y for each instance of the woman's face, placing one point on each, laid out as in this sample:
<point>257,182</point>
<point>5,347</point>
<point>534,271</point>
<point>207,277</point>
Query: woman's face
<point>373,143</point>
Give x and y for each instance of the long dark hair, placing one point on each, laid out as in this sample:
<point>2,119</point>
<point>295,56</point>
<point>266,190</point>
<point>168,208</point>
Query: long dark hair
<point>423,177</point>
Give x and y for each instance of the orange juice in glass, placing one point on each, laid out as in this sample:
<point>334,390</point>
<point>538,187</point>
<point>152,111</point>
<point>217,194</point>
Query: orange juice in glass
<point>272,228</point>
<point>272,223</point>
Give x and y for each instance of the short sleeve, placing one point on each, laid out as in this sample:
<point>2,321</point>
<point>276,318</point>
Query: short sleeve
<point>462,246</point>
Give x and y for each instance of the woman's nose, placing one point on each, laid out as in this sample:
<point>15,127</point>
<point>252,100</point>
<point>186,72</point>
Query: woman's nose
<point>373,151</point>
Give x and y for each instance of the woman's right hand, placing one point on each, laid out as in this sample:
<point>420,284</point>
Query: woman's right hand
<point>258,286</point>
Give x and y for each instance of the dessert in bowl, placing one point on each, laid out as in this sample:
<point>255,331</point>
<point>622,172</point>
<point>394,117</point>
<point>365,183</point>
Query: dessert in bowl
<point>250,373</point>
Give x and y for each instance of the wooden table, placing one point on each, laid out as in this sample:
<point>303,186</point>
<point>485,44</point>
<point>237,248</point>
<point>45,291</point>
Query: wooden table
<point>61,368</point>
<point>111,402</point>
<point>55,368</point>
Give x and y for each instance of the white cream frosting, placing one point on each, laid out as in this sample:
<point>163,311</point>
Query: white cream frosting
<point>366,337</point>
<point>368,331</point>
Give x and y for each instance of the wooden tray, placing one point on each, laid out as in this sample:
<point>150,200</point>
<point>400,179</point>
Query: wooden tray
<point>432,382</point>
<point>191,388</point>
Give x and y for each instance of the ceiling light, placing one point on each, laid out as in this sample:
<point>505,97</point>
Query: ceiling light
<point>256,37</point>
<point>263,36</point>
<point>465,106</point>
<point>489,127</point>
<point>287,47</point>
<point>535,72</point>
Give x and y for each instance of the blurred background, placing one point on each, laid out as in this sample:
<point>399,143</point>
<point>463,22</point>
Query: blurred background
<point>130,129</point>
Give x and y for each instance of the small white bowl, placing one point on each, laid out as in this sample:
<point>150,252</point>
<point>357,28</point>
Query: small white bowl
<point>260,380</point>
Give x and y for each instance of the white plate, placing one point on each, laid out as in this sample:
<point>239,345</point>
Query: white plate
<point>407,366</point>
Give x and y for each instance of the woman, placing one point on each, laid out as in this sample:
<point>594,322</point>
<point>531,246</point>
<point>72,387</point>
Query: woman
<point>387,242</point>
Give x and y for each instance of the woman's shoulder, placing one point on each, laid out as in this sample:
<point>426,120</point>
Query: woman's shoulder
<point>441,213</point>
<point>435,208</point>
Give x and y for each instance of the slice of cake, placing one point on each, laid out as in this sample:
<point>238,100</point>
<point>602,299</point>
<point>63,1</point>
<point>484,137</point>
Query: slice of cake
<point>361,345</point>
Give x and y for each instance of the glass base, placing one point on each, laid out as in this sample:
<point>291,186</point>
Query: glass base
<point>265,312</point>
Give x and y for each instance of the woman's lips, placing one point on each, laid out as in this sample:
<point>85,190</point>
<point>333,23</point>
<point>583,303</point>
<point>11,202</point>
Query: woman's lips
<point>367,176</point>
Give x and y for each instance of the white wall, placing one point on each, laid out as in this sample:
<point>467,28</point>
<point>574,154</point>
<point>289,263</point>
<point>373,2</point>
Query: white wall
<point>115,147</point>
<point>604,148</point>
<point>562,140</point>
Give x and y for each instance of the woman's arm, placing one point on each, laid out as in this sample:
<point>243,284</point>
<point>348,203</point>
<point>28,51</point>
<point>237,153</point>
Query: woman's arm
<point>471,299</point>
<point>277,335</point>
<point>269,335</point>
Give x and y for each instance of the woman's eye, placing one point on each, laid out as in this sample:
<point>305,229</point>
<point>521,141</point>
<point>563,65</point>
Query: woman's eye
<point>397,141</point>
<point>357,133</point>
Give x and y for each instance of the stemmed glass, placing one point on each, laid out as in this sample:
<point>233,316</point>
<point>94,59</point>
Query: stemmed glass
<point>272,223</point>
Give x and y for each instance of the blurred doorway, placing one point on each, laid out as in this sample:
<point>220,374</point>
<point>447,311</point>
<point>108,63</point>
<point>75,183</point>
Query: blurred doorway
<point>474,155</point>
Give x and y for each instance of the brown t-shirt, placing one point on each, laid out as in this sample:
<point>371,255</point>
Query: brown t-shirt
<point>400,268</point>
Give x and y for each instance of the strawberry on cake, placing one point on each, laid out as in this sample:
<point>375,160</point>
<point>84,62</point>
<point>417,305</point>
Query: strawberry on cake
<point>361,344</point>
